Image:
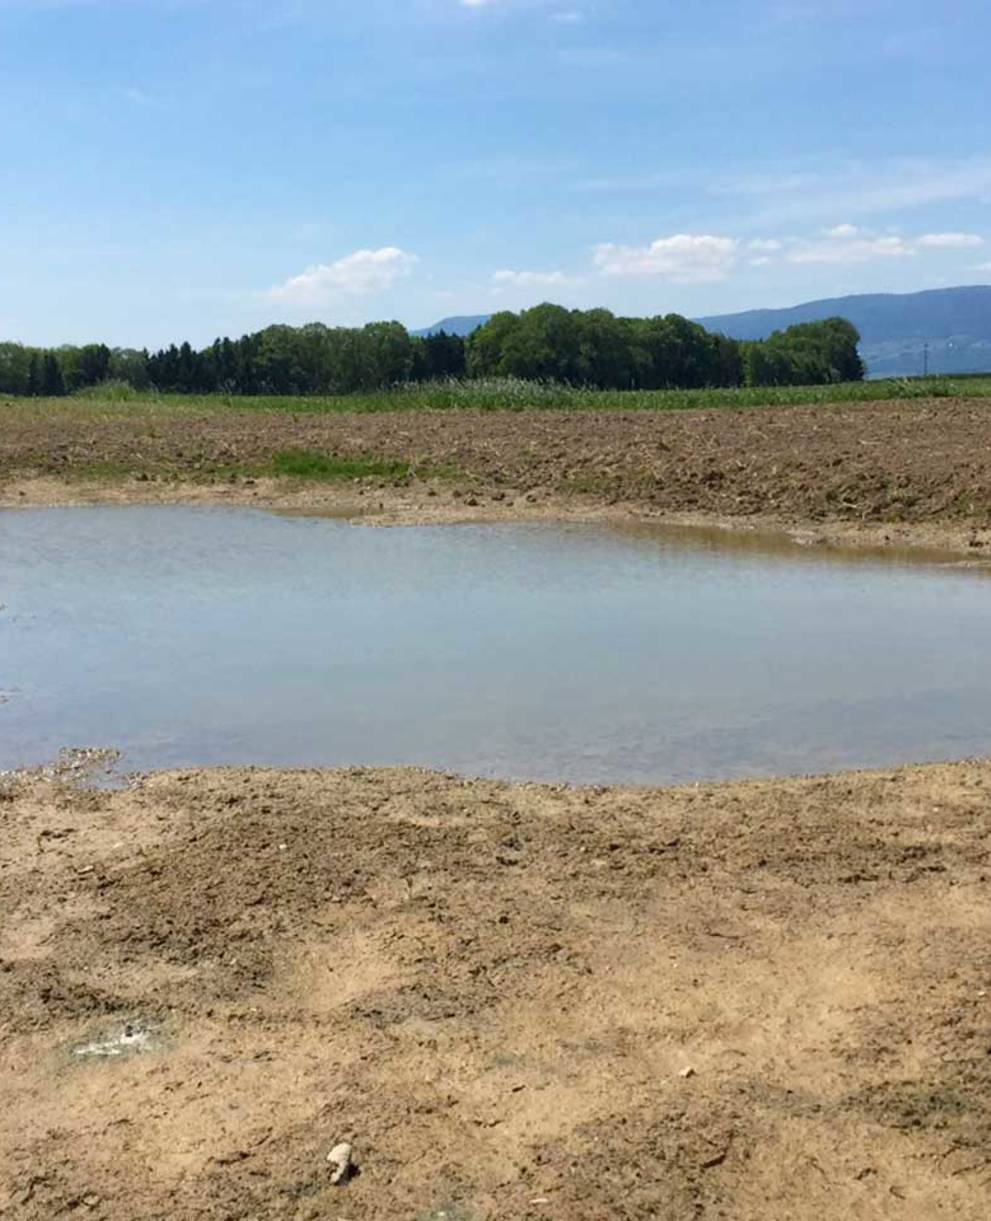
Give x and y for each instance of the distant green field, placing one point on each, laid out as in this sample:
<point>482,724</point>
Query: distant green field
<point>511,395</point>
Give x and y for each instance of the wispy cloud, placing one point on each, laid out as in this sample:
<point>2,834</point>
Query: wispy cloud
<point>868,190</point>
<point>507,278</point>
<point>811,191</point>
<point>510,169</point>
<point>139,97</point>
<point>846,244</point>
<point>592,57</point>
<point>951,241</point>
<point>362,273</point>
<point>564,16</point>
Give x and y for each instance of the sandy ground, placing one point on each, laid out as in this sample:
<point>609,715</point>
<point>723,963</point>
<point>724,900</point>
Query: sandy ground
<point>766,1000</point>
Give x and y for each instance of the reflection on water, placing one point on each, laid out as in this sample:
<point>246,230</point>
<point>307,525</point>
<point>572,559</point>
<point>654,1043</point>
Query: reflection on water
<point>223,636</point>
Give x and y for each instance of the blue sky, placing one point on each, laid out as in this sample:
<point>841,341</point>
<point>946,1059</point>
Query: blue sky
<point>188,168</point>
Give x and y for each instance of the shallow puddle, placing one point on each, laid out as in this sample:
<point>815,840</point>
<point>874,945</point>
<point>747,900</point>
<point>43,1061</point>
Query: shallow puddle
<point>185,636</point>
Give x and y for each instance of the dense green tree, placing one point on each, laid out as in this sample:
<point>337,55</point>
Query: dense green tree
<point>728,362</point>
<point>595,348</point>
<point>94,364</point>
<point>438,356</point>
<point>545,347</point>
<point>52,382</point>
<point>14,363</point>
<point>605,355</point>
<point>485,346</point>
<point>35,380</point>
<point>387,354</point>
<point>129,365</point>
<point>811,353</point>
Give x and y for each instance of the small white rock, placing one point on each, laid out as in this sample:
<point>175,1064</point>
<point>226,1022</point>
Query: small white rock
<point>340,1158</point>
<point>687,1072</point>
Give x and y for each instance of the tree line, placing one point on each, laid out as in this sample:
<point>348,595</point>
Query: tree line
<point>547,343</point>
<point>594,347</point>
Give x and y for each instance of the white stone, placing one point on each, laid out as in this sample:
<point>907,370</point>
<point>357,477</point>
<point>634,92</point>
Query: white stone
<point>340,1158</point>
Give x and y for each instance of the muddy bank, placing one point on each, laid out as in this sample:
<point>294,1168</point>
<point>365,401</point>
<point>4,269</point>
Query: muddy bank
<point>762,1000</point>
<point>912,473</point>
<point>432,503</point>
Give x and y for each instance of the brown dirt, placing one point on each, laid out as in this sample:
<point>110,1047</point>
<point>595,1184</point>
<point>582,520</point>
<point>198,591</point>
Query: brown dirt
<point>918,471</point>
<point>493,991</point>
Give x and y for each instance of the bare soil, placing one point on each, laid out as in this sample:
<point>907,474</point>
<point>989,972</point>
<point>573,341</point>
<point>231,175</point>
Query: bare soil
<point>763,1001</point>
<point>905,472</point>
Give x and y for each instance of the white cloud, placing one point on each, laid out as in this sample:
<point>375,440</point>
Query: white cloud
<point>683,259</point>
<point>527,279</point>
<point>983,267</point>
<point>950,241</point>
<point>848,250</point>
<point>848,244</point>
<point>363,272</point>
<point>696,259</point>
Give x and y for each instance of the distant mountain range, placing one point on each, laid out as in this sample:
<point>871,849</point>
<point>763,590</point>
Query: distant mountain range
<point>895,329</point>
<point>459,325</point>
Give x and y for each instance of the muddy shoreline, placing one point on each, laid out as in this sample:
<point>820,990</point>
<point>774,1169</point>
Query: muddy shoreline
<point>421,504</point>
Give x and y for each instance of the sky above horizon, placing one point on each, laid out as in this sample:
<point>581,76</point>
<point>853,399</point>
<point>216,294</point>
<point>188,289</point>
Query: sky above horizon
<point>182,169</point>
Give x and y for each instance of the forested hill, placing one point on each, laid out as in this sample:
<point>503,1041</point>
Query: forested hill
<point>894,328</point>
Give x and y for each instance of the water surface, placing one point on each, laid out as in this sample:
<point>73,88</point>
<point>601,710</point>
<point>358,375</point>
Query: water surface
<point>188,636</point>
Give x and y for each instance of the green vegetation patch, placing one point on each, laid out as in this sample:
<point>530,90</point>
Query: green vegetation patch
<point>464,394</point>
<point>113,470</point>
<point>311,464</point>
<point>500,394</point>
